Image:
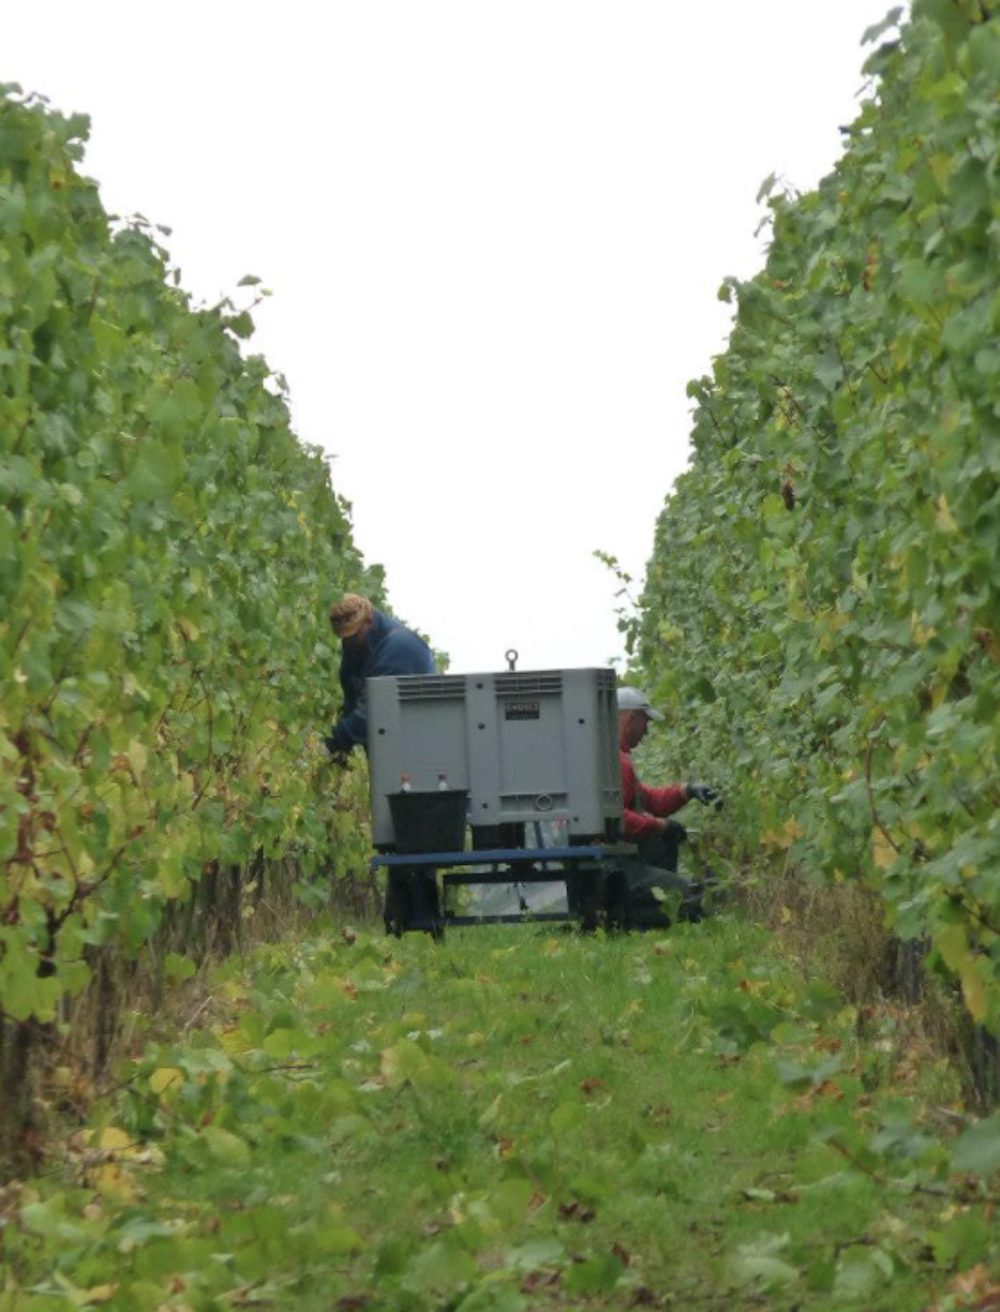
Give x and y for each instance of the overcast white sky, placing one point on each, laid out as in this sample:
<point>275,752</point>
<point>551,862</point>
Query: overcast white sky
<point>493,231</point>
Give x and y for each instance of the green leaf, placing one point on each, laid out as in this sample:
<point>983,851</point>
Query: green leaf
<point>875,31</point>
<point>176,969</point>
<point>441,1266</point>
<point>510,1200</point>
<point>535,1255</point>
<point>977,1150</point>
<point>567,1116</point>
<point>225,1147</point>
<point>829,369</point>
<point>860,1275</point>
<point>964,1241</point>
<point>596,1275</point>
<point>759,1263</point>
<point>492,1296</point>
<point>241,324</point>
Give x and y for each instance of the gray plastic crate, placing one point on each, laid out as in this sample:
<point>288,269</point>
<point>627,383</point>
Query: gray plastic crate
<point>525,745</point>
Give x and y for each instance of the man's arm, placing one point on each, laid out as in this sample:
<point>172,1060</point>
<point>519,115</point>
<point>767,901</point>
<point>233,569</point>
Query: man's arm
<point>655,803</point>
<point>637,825</point>
<point>401,652</point>
<point>350,730</point>
<point>663,801</point>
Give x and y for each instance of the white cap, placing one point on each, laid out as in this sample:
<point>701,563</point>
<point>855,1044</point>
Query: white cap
<point>631,699</point>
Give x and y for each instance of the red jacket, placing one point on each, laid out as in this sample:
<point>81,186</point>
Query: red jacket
<point>654,801</point>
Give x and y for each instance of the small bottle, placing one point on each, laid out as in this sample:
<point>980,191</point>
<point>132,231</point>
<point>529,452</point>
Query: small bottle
<point>443,785</point>
<point>405,785</point>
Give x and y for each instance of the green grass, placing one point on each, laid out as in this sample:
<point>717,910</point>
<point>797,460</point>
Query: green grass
<point>511,1119</point>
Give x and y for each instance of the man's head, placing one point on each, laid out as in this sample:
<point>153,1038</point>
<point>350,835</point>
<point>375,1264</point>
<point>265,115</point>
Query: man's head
<point>351,617</point>
<point>634,715</point>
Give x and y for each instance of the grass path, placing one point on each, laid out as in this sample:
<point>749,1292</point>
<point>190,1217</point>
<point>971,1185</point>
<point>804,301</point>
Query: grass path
<point>510,1120</point>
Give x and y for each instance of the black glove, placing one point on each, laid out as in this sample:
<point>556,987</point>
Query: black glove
<point>701,793</point>
<point>338,754</point>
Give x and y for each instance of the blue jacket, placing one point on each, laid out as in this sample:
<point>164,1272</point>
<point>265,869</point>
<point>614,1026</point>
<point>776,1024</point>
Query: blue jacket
<point>388,648</point>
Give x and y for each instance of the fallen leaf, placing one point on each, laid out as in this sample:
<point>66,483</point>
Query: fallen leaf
<point>644,1297</point>
<point>574,1212</point>
<point>100,1293</point>
<point>536,1280</point>
<point>828,1043</point>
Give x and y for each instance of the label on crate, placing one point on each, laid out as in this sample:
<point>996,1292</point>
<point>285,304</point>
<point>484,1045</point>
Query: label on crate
<point>522,710</point>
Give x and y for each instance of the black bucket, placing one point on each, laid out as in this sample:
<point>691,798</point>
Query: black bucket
<point>429,822</point>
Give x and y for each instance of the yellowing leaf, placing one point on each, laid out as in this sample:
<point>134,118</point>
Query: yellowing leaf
<point>974,990</point>
<point>100,1293</point>
<point>113,1138</point>
<point>941,165</point>
<point>922,633</point>
<point>939,692</point>
<point>783,838</point>
<point>137,757</point>
<point>164,1078</point>
<point>111,1181</point>
<point>407,1063</point>
<point>957,954</point>
<point>340,1241</point>
<point>883,852</point>
<point>786,916</point>
<point>944,519</point>
<point>491,1115</point>
<point>132,688</point>
<point>403,1061</point>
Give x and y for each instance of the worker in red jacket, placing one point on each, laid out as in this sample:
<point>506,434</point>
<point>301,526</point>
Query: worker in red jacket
<point>646,823</point>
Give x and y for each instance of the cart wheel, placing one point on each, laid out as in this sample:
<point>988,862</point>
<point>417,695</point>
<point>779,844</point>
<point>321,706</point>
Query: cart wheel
<point>584,901</point>
<point>616,901</point>
<point>395,904</point>
<point>425,903</point>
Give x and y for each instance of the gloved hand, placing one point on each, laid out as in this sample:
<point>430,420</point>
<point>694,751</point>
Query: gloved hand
<point>701,793</point>
<point>337,754</point>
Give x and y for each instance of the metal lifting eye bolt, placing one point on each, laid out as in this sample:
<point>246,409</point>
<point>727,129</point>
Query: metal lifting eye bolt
<point>510,655</point>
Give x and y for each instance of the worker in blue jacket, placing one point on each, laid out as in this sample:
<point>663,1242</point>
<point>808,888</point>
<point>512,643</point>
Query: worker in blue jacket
<point>373,644</point>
